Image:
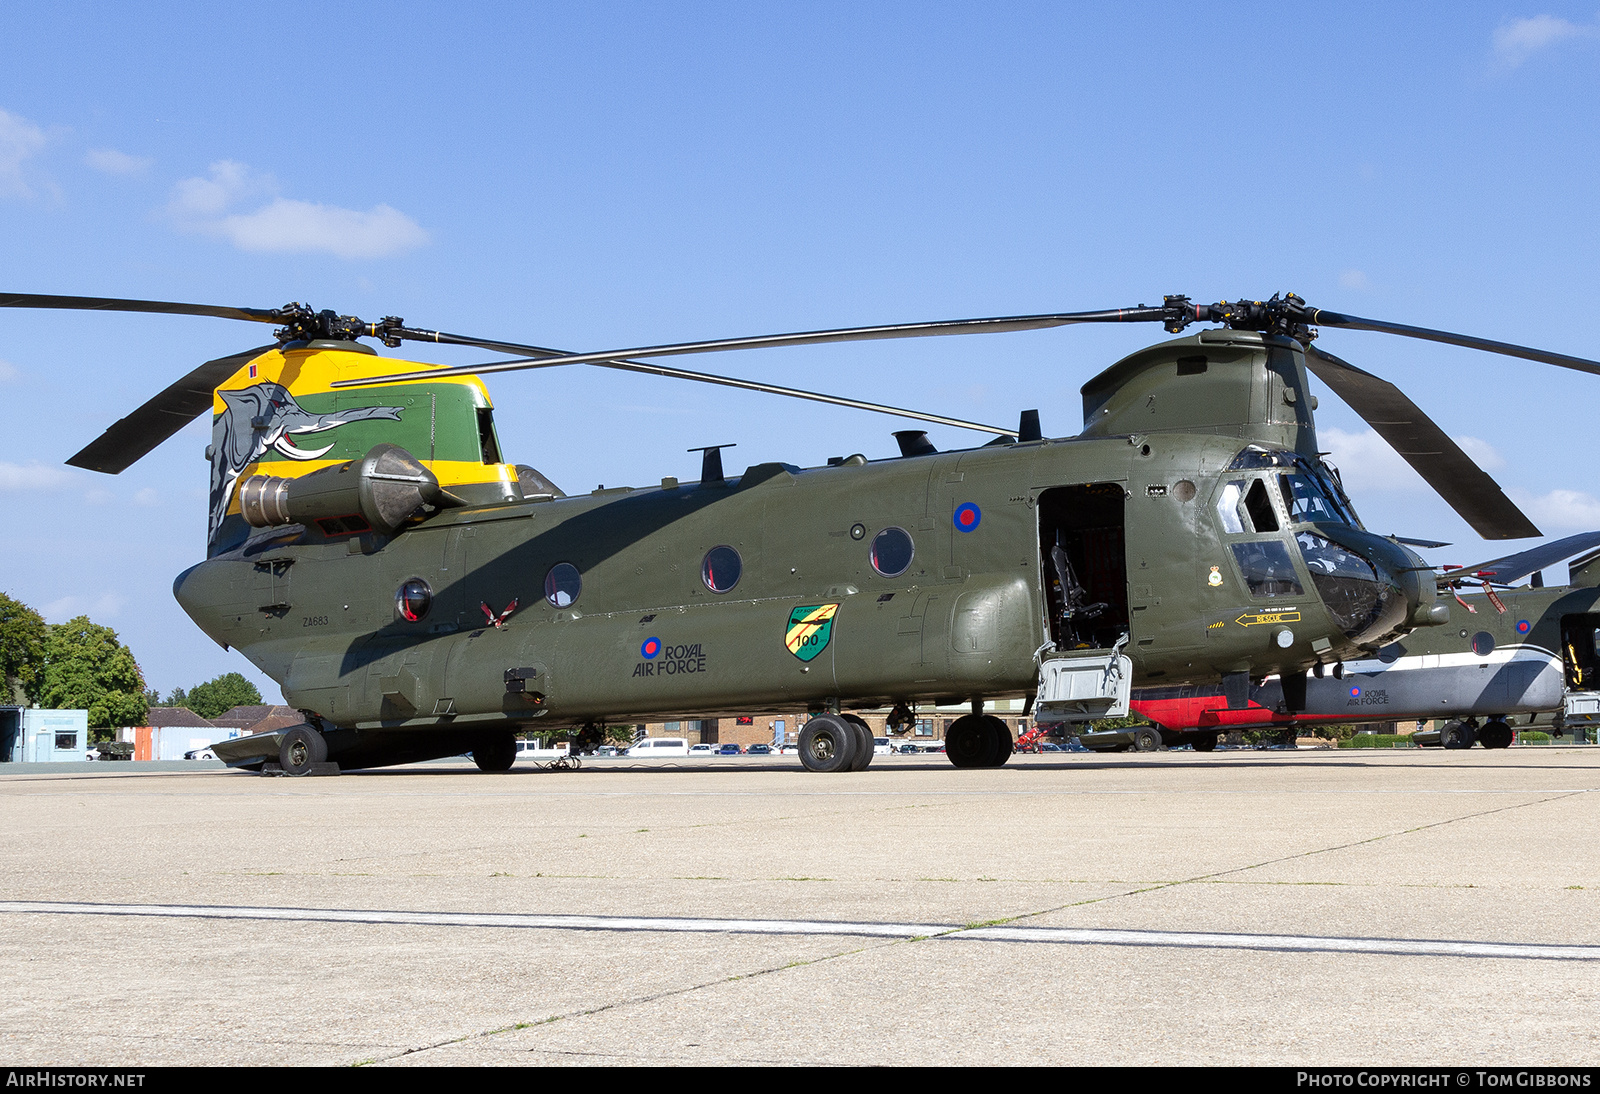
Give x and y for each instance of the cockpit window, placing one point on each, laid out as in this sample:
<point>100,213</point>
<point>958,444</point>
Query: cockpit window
<point>1246,510</point>
<point>1346,582</point>
<point>1259,505</point>
<point>1308,502</point>
<point>1228,506</point>
<point>1267,569</point>
<point>1255,457</point>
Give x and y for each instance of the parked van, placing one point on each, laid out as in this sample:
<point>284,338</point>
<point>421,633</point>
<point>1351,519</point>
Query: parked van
<point>531,750</point>
<point>660,746</point>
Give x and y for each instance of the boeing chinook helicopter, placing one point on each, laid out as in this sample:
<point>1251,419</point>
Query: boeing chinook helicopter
<point>417,596</point>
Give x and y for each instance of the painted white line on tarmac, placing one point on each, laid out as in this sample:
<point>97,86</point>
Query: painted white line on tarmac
<point>1072,936</point>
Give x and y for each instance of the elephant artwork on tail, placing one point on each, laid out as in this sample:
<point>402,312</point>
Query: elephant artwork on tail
<point>266,416</point>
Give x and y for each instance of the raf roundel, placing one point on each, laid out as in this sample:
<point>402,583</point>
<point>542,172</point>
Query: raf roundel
<point>651,647</point>
<point>1355,693</point>
<point>968,516</point>
<point>1523,626</point>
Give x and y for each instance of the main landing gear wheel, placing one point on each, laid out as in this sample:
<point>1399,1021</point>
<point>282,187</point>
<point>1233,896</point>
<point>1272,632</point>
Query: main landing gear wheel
<point>1146,739</point>
<point>828,743</point>
<point>496,752</point>
<point>864,741</point>
<point>1457,735</point>
<point>302,749</point>
<point>1495,734</point>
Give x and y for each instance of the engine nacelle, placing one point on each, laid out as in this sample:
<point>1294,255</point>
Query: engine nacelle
<point>382,490</point>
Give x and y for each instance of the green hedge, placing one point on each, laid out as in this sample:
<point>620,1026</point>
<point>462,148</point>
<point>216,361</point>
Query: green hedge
<point>1378,740</point>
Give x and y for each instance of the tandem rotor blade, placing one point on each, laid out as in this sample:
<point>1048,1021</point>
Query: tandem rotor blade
<point>540,357</point>
<point>684,374</point>
<point>1505,570</point>
<point>1317,317</point>
<point>160,307</point>
<point>1420,442</point>
<point>131,438</point>
<point>615,358</point>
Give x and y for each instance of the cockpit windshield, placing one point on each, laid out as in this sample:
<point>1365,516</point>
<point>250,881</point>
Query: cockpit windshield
<point>1308,502</point>
<point>1312,493</point>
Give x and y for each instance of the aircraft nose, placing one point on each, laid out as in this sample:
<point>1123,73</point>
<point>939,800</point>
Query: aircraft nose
<point>1361,589</point>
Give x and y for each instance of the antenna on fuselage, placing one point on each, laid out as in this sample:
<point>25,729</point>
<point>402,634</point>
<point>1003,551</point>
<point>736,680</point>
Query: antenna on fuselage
<point>711,463</point>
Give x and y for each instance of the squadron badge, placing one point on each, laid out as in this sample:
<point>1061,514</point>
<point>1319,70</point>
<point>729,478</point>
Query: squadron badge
<point>809,630</point>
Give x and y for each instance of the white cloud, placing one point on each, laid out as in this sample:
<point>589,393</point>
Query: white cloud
<point>1482,452</point>
<point>1354,279</point>
<point>34,475</point>
<point>112,162</point>
<point>19,140</point>
<point>1366,462</point>
<point>286,225</point>
<point>8,371</point>
<point>147,497</point>
<point>1559,508</point>
<point>1520,39</point>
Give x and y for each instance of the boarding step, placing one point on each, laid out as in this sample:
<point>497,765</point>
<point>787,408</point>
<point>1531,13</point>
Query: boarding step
<point>1083,685</point>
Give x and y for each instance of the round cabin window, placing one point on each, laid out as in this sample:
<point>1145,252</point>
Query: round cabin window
<point>1483,643</point>
<point>413,600</point>
<point>892,551</point>
<point>562,584</point>
<point>721,569</point>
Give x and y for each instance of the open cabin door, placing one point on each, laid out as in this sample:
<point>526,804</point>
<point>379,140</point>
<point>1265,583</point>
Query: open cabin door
<point>1083,553</point>
<point>1083,559</point>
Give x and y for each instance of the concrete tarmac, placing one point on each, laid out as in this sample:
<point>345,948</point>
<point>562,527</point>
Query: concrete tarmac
<point>1299,908</point>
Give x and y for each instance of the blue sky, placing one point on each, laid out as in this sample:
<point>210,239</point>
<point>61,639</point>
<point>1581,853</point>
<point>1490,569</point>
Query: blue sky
<point>601,175</point>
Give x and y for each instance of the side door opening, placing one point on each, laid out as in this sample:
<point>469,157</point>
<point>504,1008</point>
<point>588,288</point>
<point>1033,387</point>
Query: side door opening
<point>1083,555</point>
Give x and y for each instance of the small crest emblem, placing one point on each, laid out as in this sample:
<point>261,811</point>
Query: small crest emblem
<point>809,630</point>
<point>1214,578</point>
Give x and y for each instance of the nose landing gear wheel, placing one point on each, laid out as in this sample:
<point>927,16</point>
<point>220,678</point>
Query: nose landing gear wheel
<point>1206,742</point>
<point>978,740</point>
<point>497,752</point>
<point>828,743</point>
<point>1496,734</point>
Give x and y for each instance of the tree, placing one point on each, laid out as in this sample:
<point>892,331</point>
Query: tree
<point>217,696</point>
<point>87,668</point>
<point>22,650</point>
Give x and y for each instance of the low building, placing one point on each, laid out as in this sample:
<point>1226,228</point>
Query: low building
<point>31,735</point>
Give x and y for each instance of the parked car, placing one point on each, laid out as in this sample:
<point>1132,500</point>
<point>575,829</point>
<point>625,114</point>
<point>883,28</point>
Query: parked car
<point>660,746</point>
<point>200,754</point>
<point>701,750</point>
<point>730,749</point>
<point>759,750</point>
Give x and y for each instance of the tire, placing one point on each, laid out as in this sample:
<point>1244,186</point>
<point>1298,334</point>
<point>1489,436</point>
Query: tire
<point>496,752</point>
<point>1496,734</point>
<point>864,742</point>
<point>971,742</point>
<point>1146,739</point>
<point>1005,747</point>
<point>828,743</point>
<point>1205,742</point>
<point>1457,735</point>
<point>301,749</point>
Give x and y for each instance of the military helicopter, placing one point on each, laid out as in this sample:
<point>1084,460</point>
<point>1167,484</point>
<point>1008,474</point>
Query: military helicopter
<point>1512,651</point>
<point>417,596</point>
